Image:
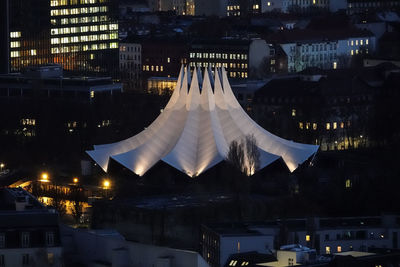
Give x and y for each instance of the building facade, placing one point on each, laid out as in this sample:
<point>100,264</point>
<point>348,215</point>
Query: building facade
<point>29,233</point>
<point>130,65</point>
<point>241,58</point>
<point>80,35</point>
<point>330,50</point>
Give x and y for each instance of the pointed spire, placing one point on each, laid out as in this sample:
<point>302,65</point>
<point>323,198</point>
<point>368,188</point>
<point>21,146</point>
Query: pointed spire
<point>189,80</point>
<point>210,75</point>
<point>199,76</point>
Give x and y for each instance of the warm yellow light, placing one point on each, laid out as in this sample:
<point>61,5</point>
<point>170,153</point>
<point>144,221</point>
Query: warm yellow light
<point>106,183</point>
<point>2,165</point>
<point>76,180</point>
<point>44,177</point>
<point>307,238</point>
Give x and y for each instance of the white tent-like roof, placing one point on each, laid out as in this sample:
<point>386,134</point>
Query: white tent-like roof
<point>194,131</point>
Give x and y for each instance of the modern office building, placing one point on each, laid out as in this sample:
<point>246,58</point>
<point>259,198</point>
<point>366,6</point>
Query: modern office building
<point>4,37</point>
<point>29,232</point>
<point>80,35</point>
<point>240,58</point>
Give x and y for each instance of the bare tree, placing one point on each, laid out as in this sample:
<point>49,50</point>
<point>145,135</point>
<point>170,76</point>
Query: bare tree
<point>245,155</point>
<point>252,154</point>
<point>236,155</point>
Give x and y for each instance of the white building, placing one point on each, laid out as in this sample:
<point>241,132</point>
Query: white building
<point>130,64</point>
<point>328,50</point>
<point>195,130</point>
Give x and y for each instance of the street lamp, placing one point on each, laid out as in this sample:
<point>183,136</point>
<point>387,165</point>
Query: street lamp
<point>75,180</point>
<point>2,166</point>
<point>44,177</point>
<point>106,185</point>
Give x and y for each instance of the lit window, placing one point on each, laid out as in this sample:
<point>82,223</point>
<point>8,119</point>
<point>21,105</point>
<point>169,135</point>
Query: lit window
<point>314,126</point>
<point>339,249</point>
<point>113,27</point>
<point>113,45</point>
<point>334,65</point>
<point>233,263</point>
<point>307,238</point>
<point>15,34</point>
<point>328,126</point>
<point>352,42</point>
<point>348,183</point>
<point>168,60</point>
<point>14,54</point>
<point>328,250</point>
<point>32,52</point>
<point>366,41</point>
<point>293,113</point>
<point>50,258</point>
<point>268,3</point>
<point>356,42</point>
<point>238,246</point>
<point>91,94</point>
<point>334,125</point>
<point>352,52</point>
<point>301,126</point>
<point>15,44</point>
<point>361,42</point>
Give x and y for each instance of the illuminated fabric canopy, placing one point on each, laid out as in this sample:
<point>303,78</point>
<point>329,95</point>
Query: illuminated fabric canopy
<point>195,129</point>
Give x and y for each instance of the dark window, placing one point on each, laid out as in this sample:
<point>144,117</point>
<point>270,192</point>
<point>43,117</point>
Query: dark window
<point>2,262</point>
<point>2,241</point>
<point>25,239</point>
<point>49,239</point>
<point>326,237</point>
<point>25,259</point>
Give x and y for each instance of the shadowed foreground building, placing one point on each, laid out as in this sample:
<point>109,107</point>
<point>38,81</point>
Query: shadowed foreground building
<point>29,233</point>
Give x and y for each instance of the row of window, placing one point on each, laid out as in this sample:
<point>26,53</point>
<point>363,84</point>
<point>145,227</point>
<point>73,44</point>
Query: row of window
<point>219,55</point>
<point>15,34</point>
<point>84,38</point>
<point>328,125</point>
<point>236,7</point>
<point>361,42</point>
<point>25,260</point>
<point>31,52</point>
<point>320,57</point>
<point>124,48</point>
<point>316,47</point>
<point>93,28</point>
<point>238,74</point>
<point>25,239</point>
<point>355,52</point>
<point>76,11</point>
<point>77,20</point>
<point>74,2</point>
<point>372,4</point>
<point>77,48</point>
<point>152,68</point>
